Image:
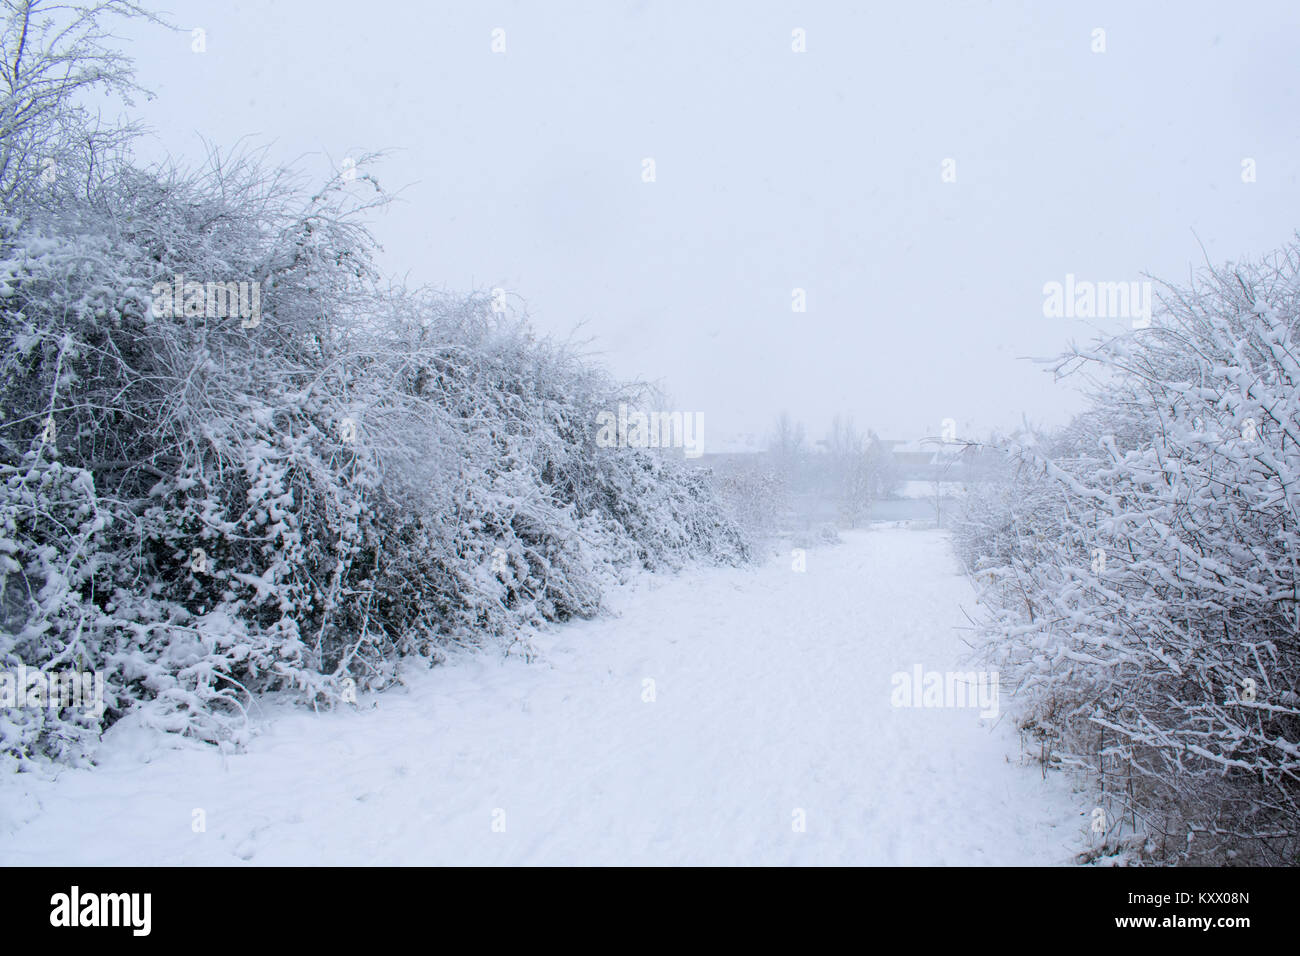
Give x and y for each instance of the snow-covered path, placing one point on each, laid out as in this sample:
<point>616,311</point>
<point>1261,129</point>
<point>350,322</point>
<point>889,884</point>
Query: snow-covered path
<point>771,704</point>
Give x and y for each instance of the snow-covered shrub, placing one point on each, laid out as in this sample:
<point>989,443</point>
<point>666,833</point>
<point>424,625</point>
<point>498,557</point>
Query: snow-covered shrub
<point>1140,571</point>
<point>46,625</point>
<point>755,493</point>
<point>357,477</point>
<point>821,535</point>
<point>826,534</point>
<point>233,461</point>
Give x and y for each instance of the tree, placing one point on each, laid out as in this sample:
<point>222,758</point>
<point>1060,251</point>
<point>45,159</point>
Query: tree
<point>882,472</point>
<point>849,470</point>
<point>787,445</point>
<point>51,55</point>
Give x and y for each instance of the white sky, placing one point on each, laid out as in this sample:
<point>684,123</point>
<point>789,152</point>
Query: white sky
<point>775,170</point>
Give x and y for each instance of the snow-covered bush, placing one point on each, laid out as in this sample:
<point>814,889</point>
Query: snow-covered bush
<point>753,493</point>
<point>821,535</point>
<point>233,461</point>
<point>355,478</point>
<point>1140,572</point>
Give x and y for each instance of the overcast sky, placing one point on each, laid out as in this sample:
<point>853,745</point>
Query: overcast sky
<point>775,170</point>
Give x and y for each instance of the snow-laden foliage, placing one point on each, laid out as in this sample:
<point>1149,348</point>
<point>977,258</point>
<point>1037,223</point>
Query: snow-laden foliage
<point>754,495</point>
<point>289,485</point>
<point>1140,573</point>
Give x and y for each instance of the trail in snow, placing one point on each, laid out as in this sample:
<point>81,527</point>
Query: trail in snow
<point>772,698</point>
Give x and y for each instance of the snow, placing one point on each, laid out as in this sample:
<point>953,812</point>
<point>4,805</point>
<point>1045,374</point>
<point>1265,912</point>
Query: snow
<point>771,696</point>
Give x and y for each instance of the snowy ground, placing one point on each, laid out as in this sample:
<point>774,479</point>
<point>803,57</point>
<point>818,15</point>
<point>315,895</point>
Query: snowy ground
<point>772,703</point>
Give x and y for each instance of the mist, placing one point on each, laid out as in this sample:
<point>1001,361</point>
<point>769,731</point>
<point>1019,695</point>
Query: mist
<point>775,171</point>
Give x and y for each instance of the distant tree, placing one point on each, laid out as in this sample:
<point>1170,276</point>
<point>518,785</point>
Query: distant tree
<point>882,471</point>
<point>848,475</point>
<point>787,452</point>
<point>787,444</point>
